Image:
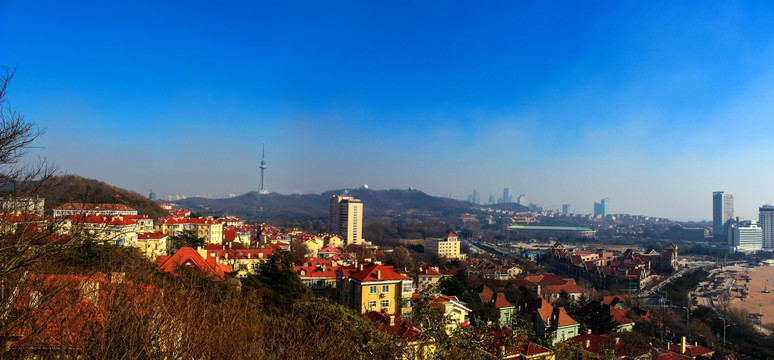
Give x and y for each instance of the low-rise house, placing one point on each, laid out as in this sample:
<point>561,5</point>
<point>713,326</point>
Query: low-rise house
<point>190,258</point>
<point>371,287</point>
<point>552,322</point>
<point>106,229</point>
<point>591,346</point>
<point>328,252</point>
<point>623,322</point>
<point>93,209</point>
<point>207,228</point>
<point>504,344</point>
<point>427,277</point>
<point>506,309</point>
<point>453,309</point>
<point>404,334</point>
<point>688,351</point>
<point>242,260</point>
<point>320,278</point>
<point>152,244</point>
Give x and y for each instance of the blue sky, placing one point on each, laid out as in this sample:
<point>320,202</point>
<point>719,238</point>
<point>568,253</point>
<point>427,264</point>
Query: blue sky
<point>651,104</point>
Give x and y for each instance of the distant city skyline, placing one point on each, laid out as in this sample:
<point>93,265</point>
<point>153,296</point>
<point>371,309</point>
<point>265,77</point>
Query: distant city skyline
<point>563,102</point>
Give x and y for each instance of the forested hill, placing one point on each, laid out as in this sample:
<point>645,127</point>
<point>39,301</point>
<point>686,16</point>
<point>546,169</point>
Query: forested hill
<point>72,188</point>
<point>378,204</point>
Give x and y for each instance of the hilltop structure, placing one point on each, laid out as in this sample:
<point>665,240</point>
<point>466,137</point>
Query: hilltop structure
<point>262,189</point>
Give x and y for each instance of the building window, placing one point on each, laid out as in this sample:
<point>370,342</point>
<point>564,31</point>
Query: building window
<point>372,289</point>
<point>408,287</point>
<point>371,304</point>
<point>385,304</point>
<point>385,288</point>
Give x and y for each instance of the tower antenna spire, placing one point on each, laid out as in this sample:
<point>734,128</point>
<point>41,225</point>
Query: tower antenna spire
<point>262,189</point>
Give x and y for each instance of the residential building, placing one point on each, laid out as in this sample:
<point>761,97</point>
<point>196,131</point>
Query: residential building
<point>504,344</point>
<point>565,208</point>
<point>403,334</point>
<point>321,279</point>
<point>152,244</point>
<point>690,351</point>
<point>590,346</point>
<point>745,236</point>
<point>93,209</point>
<point>346,219</point>
<point>552,322</point>
<point>188,257</point>
<point>722,214</point>
<point>207,228</point>
<point>243,261</point>
<point>453,309</point>
<point>428,277</point>
<point>448,247</point>
<point>766,222</point>
<point>506,309</point>
<point>107,229</point>
<point>26,205</point>
<point>371,287</point>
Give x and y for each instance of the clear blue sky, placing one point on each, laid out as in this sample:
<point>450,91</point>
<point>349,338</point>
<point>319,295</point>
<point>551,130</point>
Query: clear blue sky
<point>652,104</point>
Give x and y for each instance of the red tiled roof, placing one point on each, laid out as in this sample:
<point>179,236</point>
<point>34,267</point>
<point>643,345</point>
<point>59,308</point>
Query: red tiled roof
<point>100,219</point>
<point>172,220</point>
<point>429,271</point>
<point>670,356</point>
<point>560,318</point>
<point>151,235</point>
<point>187,256</point>
<point>501,302</point>
<point>373,272</point>
<point>94,207</point>
<point>690,350</point>
<point>401,328</point>
<point>328,272</point>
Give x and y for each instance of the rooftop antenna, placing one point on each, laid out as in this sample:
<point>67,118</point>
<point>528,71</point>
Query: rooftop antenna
<point>262,189</point>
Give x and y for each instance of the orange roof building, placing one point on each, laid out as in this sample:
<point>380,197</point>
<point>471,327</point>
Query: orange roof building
<point>190,258</point>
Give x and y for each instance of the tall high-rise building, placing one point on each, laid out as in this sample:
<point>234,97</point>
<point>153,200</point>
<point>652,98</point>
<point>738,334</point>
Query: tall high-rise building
<point>491,200</point>
<point>766,221</point>
<point>507,195</point>
<point>722,214</point>
<point>346,219</point>
<point>262,189</point>
<point>475,197</point>
<point>602,208</point>
<point>521,199</point>
<point>565,208</point>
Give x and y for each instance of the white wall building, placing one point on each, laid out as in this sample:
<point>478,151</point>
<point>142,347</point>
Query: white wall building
<point>745,236</point>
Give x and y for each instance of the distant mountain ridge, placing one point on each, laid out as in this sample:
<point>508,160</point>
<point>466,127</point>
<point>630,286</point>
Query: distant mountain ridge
<point>377,204</point>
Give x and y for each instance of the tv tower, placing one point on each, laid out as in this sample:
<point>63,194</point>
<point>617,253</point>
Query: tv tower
<point>262,190</point>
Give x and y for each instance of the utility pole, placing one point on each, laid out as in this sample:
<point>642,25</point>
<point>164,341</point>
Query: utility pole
<point>724,333</point>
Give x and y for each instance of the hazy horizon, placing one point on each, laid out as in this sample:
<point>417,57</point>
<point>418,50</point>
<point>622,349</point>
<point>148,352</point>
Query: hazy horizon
<point>653,105</point>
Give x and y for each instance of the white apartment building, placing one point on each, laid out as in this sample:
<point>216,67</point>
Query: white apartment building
<point>346,219</point>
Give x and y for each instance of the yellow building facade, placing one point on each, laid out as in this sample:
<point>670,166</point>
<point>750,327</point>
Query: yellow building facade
<point>374,287</point>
